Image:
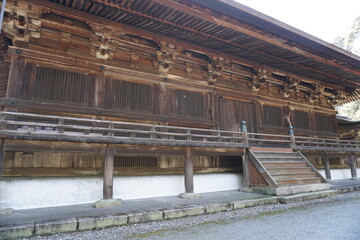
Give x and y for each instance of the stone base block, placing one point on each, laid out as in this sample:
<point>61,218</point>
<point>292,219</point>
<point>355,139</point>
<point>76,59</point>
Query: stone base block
<point>107,203</point>
<point>218,207</point>
<point>254,202</point>
<point>110,221</point>
<point>6,211</point>
<point>59,226</point>
<point>18,231</point>
<point>183,212</point>
<point>145,217</point>
<point>189,195</point>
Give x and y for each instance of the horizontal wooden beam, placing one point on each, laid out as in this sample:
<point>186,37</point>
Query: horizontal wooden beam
<point>118,171</point>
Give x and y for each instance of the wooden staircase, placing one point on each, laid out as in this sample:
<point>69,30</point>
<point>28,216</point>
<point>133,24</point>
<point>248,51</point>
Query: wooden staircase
<point>287,171</point>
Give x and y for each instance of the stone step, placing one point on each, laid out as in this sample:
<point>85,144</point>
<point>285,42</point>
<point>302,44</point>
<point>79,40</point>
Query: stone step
<point>300,197</point>
<point>288,190</point>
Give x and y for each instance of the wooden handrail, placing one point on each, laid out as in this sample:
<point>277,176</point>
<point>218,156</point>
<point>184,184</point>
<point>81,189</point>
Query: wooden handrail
<point>33,125</point>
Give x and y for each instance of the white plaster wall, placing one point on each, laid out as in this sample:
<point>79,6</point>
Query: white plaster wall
<point>337,174</point>
<point>46,192</point>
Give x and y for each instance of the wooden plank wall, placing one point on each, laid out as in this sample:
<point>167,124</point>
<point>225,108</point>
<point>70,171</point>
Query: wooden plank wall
<point>72,164</point>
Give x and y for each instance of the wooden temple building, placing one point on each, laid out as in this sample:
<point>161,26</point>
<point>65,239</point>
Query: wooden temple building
<point>104,99</point>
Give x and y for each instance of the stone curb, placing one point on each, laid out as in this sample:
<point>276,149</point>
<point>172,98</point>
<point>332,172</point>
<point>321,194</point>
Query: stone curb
<point>98,222</point>
<point>58,226</point>
<point>17,231</point>
<point>143,217</point>
<point>183,212</point>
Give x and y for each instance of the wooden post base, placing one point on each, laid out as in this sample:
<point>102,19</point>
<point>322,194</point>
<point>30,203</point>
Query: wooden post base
<point>107,203</point>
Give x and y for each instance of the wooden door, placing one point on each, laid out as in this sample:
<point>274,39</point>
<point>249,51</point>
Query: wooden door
<point>232,112</point>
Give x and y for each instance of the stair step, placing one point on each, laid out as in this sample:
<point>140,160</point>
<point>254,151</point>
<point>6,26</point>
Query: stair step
<point>293,177</point>
<point>291,182</point>
<point>289,170</point>
<point>279,158</point>
<point>269,149</point>
<point>284,164</point>
<point>297,174</point>
<point>275,152</point>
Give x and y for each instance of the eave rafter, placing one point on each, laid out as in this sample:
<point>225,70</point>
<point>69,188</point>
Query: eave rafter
<point>83,16</point>
<point>218,21</point>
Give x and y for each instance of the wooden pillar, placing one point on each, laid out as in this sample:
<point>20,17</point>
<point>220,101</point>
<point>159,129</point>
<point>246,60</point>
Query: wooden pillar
<point>244,133</point>
<point>352,164</point>
<point>108,172</point>
<point>1,154</point>
<point>326,164</point>
<point>189,171</point>
<point>245,167</point>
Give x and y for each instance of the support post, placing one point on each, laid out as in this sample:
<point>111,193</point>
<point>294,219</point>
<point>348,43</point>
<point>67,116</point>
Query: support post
<point>326,163</point>
<point>189,175</point>
<point>108,180</point>
<point>1,154</point>
<point>108,172</point>
<point>352,164</point>
<point>244,133</point>
<point>292,138</point>
<point>245,167</point>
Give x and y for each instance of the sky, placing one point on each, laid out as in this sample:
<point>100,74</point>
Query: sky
<point>325,19</point>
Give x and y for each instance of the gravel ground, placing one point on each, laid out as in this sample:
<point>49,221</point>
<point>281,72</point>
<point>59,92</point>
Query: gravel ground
<point>126,232</point>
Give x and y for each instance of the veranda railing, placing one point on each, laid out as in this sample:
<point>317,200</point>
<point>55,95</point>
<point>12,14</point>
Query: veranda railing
<point>59,128</point>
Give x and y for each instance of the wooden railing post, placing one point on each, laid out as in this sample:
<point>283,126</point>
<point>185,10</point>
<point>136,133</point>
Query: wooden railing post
<point>326,163</point>
<point>292,138</point>
<point>352,164</point>
<point>61,125</point>
<point>244,133</point>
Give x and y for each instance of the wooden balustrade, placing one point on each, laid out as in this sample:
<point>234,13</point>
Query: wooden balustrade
<point>49,127</point>
<point>58,128</point>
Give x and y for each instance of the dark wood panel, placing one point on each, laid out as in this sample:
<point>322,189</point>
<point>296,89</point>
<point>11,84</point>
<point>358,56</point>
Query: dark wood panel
<point>255,177</point>
<point>233,112</point>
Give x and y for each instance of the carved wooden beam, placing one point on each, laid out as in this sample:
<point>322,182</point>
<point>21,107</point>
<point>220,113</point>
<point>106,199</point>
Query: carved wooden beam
<point>166,57</point>
<point>258,78</point>
<point>214,69</point>
<point>21,24</point>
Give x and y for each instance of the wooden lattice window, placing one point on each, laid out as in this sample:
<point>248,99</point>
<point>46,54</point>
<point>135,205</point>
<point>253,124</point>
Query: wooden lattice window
<point>136,161</point>
<point>324,122</point>
<point>189,104</point>
<point>133,96</point>
<point>60,85</point>
<point>301,120</point>
<point>272,116</point>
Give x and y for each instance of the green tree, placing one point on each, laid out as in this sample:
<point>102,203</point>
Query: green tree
<point>351,43</point>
